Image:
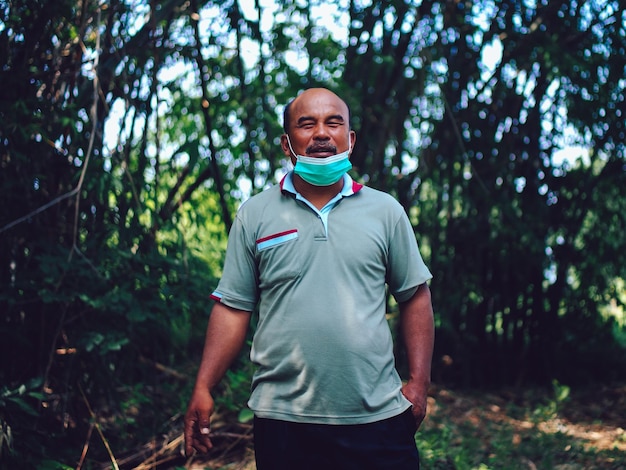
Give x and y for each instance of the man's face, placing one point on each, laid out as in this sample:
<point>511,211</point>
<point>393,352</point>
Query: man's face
<point>318,125</point>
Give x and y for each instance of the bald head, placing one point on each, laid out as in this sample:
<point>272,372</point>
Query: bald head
<point>313,97</point>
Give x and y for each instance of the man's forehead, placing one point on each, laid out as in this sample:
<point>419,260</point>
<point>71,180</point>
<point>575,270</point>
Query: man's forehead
<point>318,101</point>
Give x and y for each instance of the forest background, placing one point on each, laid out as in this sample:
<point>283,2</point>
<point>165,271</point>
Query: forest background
<point>131,130</point>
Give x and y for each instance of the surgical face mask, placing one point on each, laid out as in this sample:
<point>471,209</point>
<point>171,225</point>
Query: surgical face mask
<point>321,171</point>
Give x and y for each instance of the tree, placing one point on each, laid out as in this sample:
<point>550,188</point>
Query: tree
<point>505,204</point>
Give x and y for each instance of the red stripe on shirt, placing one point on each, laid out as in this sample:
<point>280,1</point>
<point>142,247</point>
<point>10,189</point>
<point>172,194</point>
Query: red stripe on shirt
<point>276,235</point>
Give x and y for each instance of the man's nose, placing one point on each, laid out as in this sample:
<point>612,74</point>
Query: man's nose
<point>321,132</point>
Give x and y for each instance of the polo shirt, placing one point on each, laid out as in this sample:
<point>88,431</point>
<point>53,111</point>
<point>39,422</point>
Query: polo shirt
<point>322,348</point>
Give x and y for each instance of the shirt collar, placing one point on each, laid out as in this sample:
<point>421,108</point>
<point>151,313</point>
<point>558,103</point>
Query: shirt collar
<point>350,187</point>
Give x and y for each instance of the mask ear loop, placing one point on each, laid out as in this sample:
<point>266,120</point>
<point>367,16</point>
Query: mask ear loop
<point>290,147</point>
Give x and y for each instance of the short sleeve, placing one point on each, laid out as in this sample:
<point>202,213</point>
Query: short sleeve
<point>406,269</point>
<point>238,287</point>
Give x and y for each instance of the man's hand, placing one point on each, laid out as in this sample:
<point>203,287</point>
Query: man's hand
<point>418,396</point>
<point>225,336</point>
<point>418,331</point>
<point>198,422</point>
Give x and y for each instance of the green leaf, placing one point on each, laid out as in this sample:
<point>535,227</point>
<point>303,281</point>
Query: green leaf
<point>245,415</point>
<point>23,405</point>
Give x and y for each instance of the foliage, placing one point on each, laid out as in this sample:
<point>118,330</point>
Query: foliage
<point>131,131</point>
<point>507,431</point>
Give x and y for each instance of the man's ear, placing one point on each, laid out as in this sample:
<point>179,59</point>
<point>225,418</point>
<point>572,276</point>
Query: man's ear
<point>352,141</point>
<point>284,145</point>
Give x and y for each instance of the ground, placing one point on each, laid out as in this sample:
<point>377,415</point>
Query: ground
<point>578,429</point>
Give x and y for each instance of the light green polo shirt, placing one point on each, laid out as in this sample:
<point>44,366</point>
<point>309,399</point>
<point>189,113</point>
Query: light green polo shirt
<point>323,349</point>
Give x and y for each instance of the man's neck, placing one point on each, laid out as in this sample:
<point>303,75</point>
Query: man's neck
<point>317,195</point>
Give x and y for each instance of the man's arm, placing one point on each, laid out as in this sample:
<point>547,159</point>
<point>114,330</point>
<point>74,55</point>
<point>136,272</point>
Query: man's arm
<point>225,336</point>
<point>418,331</point>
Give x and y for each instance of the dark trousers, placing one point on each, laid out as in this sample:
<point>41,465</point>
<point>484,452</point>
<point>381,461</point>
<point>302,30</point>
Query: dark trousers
<point>383,445</point>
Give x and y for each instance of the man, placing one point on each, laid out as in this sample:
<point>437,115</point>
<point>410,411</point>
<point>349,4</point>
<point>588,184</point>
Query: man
<point>316,255</point>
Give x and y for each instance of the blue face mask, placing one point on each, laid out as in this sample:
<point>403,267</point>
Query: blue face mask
<point>322,171</point>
